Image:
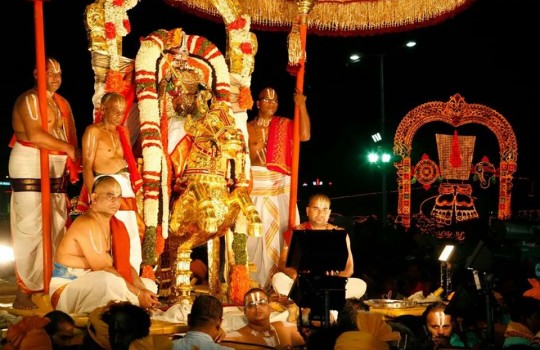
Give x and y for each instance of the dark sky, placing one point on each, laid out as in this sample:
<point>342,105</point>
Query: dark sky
<point>487,53</point>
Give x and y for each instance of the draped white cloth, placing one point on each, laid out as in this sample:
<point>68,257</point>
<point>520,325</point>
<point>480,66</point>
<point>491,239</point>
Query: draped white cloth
<point>92,289</point>
<point>25,215</point>
<point>270,195</point>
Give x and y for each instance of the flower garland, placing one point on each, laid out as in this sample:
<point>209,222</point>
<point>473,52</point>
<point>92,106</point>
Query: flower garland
<point>242,50</point>
<point>117,25</point>
<point>152,148</point>
<point>239,275</point>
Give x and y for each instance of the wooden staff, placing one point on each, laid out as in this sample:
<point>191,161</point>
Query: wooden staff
<point>304,8</point>
<point>44,153</point>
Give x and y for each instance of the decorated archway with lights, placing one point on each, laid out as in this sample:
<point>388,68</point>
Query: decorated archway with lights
<point>459,170</point>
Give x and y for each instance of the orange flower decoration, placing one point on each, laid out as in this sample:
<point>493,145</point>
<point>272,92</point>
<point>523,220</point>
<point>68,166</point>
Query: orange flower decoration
<point>148,272</point>
<point>239,284</point>
<point>239,23</point>
<point>115,81</point>
<point>246,48</point>
<point>110,30</point>
<point>245,100</point>
<point>127,25</point>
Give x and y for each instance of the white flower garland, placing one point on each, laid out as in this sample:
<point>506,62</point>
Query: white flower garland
<point>152,148</point>
<point>116,14</point>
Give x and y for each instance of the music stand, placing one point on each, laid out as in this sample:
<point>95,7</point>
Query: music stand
<point>312,253</point>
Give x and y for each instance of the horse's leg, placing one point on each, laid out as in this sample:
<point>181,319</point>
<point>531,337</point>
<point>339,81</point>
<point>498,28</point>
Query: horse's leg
<point>183,285</point>
<point>214,263</point>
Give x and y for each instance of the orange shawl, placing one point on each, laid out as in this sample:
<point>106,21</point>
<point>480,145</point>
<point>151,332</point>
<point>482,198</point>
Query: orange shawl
<point>120,249</point>
<point>73,167</point>
<point>279,147</point>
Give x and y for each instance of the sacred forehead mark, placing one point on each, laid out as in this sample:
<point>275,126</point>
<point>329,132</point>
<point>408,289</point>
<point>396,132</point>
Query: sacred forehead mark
<point>255,296</point>
<point>54,65</point>
<point>268,93</point>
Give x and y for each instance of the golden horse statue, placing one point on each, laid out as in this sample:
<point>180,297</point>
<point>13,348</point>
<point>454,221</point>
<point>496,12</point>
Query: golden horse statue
<point>195,163</point>
<point>213,189</point>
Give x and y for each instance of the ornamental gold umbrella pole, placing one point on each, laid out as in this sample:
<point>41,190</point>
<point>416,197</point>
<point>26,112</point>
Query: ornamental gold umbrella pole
<point>304,8</point>
<point>44,154</point>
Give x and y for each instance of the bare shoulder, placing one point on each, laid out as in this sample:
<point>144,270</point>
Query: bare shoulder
<point>22,99</point>
<point>80,224</point>
<point>92,128</point>
<point>251,125</point>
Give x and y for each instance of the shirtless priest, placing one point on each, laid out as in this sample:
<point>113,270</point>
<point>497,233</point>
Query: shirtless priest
<point>92,261</point>
<point>259,329</point>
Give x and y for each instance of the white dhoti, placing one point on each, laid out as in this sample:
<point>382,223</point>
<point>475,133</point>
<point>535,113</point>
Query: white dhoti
<point>81,290</point>
<point>270,195</point>
<point>25,215</point>
<point>128,215</point>
<point>354,288</point>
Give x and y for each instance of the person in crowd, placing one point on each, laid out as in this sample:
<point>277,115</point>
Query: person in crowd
<point>524,325</point>
<point>259,329</point>
<point>318,212</point>
<point>92,262</point>
<point>60,140</point>
<point>325,338</point>
<point>271,148</point>
<point>105,148</point>
<point>415,278</point>
<point>443,331</point>
<point>372,332</point>
<point>122,326</point>
<point>204,323</point>
<point>61,330</point>
<point>28,333</point>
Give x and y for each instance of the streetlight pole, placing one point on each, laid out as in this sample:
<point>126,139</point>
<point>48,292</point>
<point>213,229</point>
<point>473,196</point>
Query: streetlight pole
<point>383,122</point>
<point>381,155</point>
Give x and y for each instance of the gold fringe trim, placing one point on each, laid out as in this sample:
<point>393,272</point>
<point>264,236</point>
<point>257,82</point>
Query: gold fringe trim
<point>295,45</point>
<point>342,15</point>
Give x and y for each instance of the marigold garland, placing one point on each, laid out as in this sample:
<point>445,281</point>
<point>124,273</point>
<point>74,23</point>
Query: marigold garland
<point>237,290</point>
<point>148,272</point>
<point>115,81</point>
<point>245,100</point>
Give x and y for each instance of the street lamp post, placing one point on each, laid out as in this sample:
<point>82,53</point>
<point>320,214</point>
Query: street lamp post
<point>381,155</point>
<point>383,124</point>
<point>380,158</point>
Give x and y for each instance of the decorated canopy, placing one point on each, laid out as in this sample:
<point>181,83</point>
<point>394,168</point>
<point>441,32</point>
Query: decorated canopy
<point>338,17</point>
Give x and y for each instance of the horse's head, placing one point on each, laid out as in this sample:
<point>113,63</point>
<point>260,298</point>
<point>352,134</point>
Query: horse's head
<point>231,141</point>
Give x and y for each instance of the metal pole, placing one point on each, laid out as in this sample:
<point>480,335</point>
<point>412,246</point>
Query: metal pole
<point>383,122</point>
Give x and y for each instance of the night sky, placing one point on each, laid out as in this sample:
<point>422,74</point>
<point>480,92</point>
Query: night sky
<point>487,53</point>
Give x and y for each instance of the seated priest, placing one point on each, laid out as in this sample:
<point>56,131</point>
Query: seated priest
<point>92,264</point>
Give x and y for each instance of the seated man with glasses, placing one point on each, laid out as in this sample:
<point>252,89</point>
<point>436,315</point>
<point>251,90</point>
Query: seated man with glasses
<point>259,330</point>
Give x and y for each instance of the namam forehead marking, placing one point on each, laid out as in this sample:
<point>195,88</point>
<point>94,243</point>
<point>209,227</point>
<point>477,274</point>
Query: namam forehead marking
<point>268,93</point>
<point>256,296</point>
<point>320,203</point>
<point>54,66</point>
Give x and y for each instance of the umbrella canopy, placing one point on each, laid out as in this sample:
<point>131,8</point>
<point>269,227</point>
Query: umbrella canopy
<point>338,17</point>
